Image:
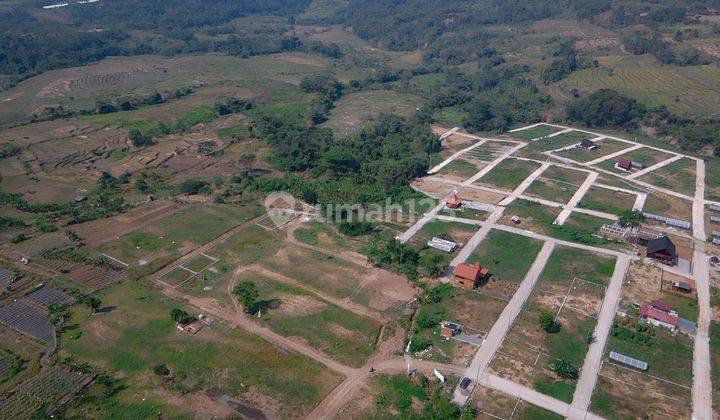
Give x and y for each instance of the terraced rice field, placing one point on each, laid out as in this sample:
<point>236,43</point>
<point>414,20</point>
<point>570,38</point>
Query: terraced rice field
<point>40,391</point>
<point>690,89</point>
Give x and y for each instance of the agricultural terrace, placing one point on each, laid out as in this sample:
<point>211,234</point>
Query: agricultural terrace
<point>139,334</point>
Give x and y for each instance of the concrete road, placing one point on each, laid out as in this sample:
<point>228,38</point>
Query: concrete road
<point>593,358</point>
<point>613,155</point>
<point>473,242</point>
<point>405,236</point>
<point>570,206</point>
<point>525,184</point>
<point>498,331</point>
<point>654,167</point>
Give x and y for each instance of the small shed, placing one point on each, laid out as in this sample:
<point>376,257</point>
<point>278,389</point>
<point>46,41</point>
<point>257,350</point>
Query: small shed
<point>453,202</point>
<point>441,244</point>
<point>623,164</point>
<point>587,144</point>
<point>714,207</point>
<point>467,275</point>
<point>449,329</point>
<point>663,250</point>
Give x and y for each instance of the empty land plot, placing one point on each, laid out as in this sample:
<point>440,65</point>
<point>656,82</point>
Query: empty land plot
<point>343,335</point>
<point>604,148</point>
<point>557,184</point>
<point>535,132</point>
<point>139,334</point>
<point>455,143</point>
<point>461,169</point>
<point>27,320</point>
<point>534,216</point>
<point>490,150</point>
<point>452,231</point>
<point>318,270</point>
<point>606,200</point>
<point>535,149</point>
<point>712,179</point>
<point>678,176</point>
<point>489,402</point>
<point>199,263</point>
<point>324,235</point>
<point>668,205</point>
<point>527,411</point>
<point>353,109</point>
<point>508,174</point>
<point>622,394</point>
<point>527,343</point>
<point>465,213</point>
<point>176,276</point>
<point>40,392</point>
<point>565,265</point>
<point>506,255</point>
<point>249,245</point>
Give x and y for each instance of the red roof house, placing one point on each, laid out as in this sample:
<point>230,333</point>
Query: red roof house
<point>623,164</point>
<point>659,314</point>
<point>453,202</point>
<point>466,275</point>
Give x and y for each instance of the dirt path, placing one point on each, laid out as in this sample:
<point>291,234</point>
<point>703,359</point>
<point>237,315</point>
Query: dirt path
<point>349,256</point>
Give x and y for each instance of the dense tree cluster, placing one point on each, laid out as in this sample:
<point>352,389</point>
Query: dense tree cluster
<point>606,108</point>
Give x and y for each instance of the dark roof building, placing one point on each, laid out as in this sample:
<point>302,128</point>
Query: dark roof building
<point>587,144</point>
<point>662,249</point>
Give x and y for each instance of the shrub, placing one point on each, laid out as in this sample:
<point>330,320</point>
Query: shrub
<point>565,369</point>
<point>161,370</point>
<point>547,322</point>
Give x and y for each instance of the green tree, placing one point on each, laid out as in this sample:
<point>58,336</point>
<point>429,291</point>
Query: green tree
<point>565,369</point>
<point>180,316</point>
<point>630,218</point>
<point>247,293</point>
<point>547,322</point>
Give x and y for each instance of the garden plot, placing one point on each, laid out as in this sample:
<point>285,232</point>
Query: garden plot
<point>508,174</point>
<point>678,176</point>
<point>200,263</point>
<point>40,392</point>
<point>557,184</point>
<point>645,156</point>
<point>606,200</point>
<point>668,205</point>
<point>506,255</point>
<point>604,147</point>
<point>176,277</point>
<point>541,130</point>
<point>343,335</point>
<point>92,277</point>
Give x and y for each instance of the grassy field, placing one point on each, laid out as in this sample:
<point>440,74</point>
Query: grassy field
<point>712,179</point>
<point>680,89</point>
<point>506,255</point>
<point>343,335</point>
<point>535,149</point>
<point>460,168</point>
<point>508,174</point>
<point>565,264</point>
<point>678,176</point>
<point>608,201</point>
<point>138,334</point>
<point>353,109</point>
<point>534,216</point>
<point>452,231</point>
<point>667,205</point>
<point>557,184</point>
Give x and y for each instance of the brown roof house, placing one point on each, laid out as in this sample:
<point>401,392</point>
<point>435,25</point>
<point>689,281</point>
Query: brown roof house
<point>663,250</point>
<point>467,275</point>
<point>623,164</point>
